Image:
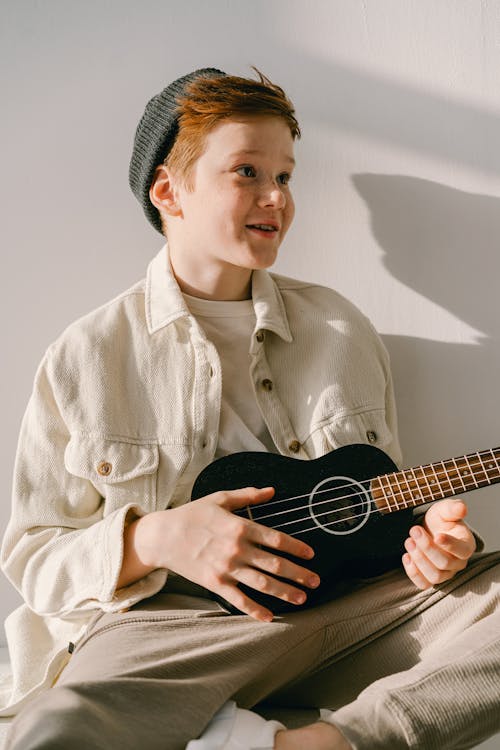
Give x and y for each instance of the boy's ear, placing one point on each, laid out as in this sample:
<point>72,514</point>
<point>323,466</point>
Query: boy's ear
<point>163,193</point>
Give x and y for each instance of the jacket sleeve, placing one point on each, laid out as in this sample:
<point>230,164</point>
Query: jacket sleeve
<point>62,550</point>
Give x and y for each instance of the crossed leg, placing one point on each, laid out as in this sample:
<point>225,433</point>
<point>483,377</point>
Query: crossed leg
<point>153,677</point>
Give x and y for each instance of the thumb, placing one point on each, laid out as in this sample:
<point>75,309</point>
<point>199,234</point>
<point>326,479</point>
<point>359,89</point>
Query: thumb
<point>234,499</point>
<point>449,511</point>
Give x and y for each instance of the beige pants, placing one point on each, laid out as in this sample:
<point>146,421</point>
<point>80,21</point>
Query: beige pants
<point>398,667</point>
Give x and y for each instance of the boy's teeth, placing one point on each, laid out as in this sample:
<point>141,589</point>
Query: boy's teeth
<point>263,226</point>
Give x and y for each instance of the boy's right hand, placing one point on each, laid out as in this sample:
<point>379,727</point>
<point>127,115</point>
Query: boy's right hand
<point>208,544</point>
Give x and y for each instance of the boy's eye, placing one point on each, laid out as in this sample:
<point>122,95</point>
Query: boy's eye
<point>247,171</point>
<point>246,168</point>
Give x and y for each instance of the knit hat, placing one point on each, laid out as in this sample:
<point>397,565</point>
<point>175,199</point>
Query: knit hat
<point>154,138</point>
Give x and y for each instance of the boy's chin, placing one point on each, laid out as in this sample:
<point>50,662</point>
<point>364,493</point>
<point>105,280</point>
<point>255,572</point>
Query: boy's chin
<point>261,262</point>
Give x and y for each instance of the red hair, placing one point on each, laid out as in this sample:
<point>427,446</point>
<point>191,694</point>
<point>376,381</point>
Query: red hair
<point>208,101</point>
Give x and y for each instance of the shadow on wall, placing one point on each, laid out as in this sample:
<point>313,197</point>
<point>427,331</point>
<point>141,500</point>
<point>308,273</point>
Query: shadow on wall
<point>392,111</point>
<point>444,244</point>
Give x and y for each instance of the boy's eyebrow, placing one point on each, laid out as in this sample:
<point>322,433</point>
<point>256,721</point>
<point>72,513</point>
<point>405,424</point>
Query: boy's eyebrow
<point>256,151</point>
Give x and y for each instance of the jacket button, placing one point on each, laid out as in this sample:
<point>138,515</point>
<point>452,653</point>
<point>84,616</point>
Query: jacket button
<point>372,436</point>
<point>294,446</point>
<point>260,336</point>
<point>104,468</point>
<point>267,384</point>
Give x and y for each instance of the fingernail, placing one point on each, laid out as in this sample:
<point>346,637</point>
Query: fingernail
<point>415,532</point>
<point>300,598</point>
<point>313,581</point>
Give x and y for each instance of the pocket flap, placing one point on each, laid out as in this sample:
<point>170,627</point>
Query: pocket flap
<point>110,461</point>
<point>364,427</point>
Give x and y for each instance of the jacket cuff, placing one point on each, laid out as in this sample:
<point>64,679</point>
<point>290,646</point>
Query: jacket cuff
<point>114,599</point>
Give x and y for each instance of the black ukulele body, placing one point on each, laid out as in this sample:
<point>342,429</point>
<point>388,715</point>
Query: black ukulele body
<point>327,503</point>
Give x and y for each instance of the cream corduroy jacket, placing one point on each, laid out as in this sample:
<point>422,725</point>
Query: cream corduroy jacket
<point>124,415</point>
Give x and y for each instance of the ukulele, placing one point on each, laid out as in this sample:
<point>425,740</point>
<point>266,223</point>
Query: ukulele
<point>353,506</point>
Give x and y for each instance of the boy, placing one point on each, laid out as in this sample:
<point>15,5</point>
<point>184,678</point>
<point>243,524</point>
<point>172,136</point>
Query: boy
<point>212,355</point>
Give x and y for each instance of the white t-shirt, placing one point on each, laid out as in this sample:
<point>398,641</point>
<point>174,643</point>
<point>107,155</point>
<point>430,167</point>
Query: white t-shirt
<point>229,326</point>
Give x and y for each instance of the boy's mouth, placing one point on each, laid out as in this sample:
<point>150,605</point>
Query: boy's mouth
<point>263,228</point>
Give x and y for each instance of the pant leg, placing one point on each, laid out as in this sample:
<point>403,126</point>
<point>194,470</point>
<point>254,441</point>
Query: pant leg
<point>433,682</point>
<point>154,677</point>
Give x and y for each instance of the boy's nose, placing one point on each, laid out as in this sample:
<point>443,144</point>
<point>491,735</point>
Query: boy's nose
<point>272,195</point>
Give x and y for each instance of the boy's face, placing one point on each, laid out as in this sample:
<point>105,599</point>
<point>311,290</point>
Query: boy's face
<point>240,180</point>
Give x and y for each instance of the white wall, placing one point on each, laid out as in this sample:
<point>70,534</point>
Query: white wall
<point>397,189</point>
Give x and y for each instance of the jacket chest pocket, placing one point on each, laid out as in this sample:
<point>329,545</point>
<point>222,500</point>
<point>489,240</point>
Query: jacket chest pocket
<point>122,472</point>
<point>364,427</point>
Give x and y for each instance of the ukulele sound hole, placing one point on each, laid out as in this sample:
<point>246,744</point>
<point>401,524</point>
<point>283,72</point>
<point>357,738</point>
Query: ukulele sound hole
<point>339,505</point>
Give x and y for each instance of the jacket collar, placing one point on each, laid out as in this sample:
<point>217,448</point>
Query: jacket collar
<point>164,302</point>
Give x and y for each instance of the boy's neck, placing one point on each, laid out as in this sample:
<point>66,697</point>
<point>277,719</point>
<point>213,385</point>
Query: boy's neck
<point>211,281</point>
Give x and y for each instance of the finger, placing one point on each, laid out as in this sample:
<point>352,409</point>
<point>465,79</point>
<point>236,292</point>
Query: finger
<point>236,597</point>
<point>280,566</point>
<point>422,542</point>
<point>461,543</point>
<point>235,499</point>
<point>453,545</point>
<point>414,573</point>
<point>428,569</point>
<point>445,513</point>
<point>274,539</point>
<point>444,549</point>
<point>266,584</point>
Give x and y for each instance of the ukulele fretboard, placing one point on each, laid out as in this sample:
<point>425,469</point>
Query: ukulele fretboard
<point>424,484</point>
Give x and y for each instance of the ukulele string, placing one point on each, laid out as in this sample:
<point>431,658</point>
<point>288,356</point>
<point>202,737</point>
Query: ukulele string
<point>318,527</point>
<point>464,487</point>
<point>318,515</point>
<point>367,482</point>
<point>404,478</point>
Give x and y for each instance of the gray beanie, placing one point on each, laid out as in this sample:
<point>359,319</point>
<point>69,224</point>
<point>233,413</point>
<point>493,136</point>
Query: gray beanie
<point>155,136</point>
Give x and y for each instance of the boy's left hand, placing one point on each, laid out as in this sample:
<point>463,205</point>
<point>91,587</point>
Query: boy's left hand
<point>441,547</point>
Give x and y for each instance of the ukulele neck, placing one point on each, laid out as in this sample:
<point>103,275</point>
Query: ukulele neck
<point>425,484</point>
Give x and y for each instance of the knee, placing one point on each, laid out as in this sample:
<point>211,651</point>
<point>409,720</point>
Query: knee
<point>58,719</point>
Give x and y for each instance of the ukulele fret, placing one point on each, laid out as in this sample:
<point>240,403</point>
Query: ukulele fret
<point>402,503</point>
<point>459,474</point>
<point>470,471</point>
<point>384,494</point>
<point>417,488</point>
<point>451,491</point>
<point>435,481</point>
<point>424,483</point>
<point>492,465</point>
<point>483,469</point>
